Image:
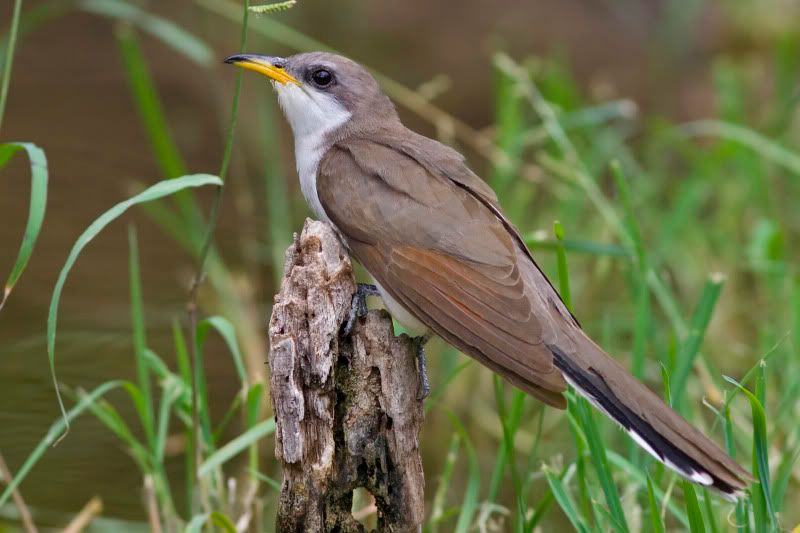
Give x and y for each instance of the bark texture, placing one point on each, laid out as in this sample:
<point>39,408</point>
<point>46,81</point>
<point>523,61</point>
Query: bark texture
<point>345,407</point>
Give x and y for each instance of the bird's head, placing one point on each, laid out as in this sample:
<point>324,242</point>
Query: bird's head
<point>322,92</point>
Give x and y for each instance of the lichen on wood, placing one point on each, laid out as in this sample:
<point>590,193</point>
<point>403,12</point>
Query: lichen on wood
<point>346,407</point>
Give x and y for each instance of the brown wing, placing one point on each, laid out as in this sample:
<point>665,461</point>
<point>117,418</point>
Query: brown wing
<point>432,234</point>
<point>440,250</point>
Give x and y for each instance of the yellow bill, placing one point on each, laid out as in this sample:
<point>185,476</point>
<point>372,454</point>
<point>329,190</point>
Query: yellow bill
<point>269,66</point>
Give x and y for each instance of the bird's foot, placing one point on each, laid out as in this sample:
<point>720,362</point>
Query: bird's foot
<point>422,367</point>
<point>358,307</point>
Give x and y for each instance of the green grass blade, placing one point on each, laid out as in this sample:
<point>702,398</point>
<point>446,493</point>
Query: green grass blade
<point>139,338</point>
<point>227,331</point>
<point>469,503</point>
<point>655,515</point>
<point>185,372</point>
<point>54,433</point>
<point>765,147</point>
<point>509,457</point>
<point>760,449</point>
<point>497,473</point>
<point>782,477</point>
<point>637,473</point>
<point>665,383</point>
<point>730,441</point>
<point>222,522</point>
<point>533,452</point>
<point>563,271</point>
<point>752,372</point>
<point>542,506</point>
<point>36,210</point>
<point>630,220</point>
<point>202,431</point>
<point>149,105</point>
<point>642,323</point>
<point>796,311</point>
<point>584,494</point>
<point>181,353</point>
<point>236,446</point>
<point>760,386</point>
<point>143,457</point>
<point>252,413</point>
<point>222,426</point>
<point>693,508</point>
<point>9,59</point>
<point>159,369</point>
<point>597,452</point>
<point>611,523</point>
<point>730,447</point>
<point>108,415</point>
<point>198,522</point>
<point>253,404</point>
<point>599,114</point>
<point>691,345</point>
<point>159,190</point>
<point>709,512</point>
<point>514,417</point>
<point>172,391</point>
<point>168,380</point>
<point>442,488</point>
<point>565,502</point>
<point>174,36</point>
<point>142,453</point>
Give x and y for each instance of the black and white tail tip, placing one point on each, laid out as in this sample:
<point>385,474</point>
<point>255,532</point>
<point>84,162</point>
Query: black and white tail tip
<point>595,390</point>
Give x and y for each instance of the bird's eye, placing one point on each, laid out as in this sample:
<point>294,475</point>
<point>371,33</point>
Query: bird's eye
<point>322,77</point>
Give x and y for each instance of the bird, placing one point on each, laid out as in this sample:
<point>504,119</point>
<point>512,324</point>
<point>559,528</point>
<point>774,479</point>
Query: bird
<point>447,261</point>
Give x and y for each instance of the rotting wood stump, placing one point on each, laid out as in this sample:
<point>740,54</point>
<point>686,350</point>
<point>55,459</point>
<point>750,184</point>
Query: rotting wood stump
<point>346,408</point>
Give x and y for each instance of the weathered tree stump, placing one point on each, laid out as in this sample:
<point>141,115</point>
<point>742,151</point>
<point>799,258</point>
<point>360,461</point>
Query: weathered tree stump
<point>346,408</point>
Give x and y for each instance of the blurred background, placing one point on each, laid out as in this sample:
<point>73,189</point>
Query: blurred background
<point>629,80</point>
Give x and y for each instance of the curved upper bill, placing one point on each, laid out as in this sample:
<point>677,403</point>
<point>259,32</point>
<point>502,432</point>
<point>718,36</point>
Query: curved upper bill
<point>270,66</point>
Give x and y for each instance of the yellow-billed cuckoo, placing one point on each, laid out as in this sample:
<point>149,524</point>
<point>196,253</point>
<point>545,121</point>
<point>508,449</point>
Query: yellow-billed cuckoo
<point>447,260</point>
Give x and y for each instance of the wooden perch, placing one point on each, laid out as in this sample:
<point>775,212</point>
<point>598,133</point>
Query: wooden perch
<point>346,408</point>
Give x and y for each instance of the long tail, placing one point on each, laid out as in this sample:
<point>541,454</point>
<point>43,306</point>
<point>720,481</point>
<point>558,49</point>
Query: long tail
<point>648,420</point>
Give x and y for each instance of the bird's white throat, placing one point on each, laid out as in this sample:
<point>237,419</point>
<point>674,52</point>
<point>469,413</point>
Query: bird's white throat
<point>312,115</point>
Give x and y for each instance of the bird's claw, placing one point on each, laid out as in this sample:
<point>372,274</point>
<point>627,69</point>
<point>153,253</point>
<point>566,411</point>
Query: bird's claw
<point>358,306</point>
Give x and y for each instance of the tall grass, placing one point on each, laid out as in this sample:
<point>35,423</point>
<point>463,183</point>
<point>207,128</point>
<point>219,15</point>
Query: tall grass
<point>645,225</point>
<point>36,209</point>
<point>8,60</point>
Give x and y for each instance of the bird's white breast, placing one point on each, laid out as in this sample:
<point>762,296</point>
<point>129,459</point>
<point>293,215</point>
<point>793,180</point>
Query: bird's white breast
<point>308,153</point>
<point>312,115</point>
